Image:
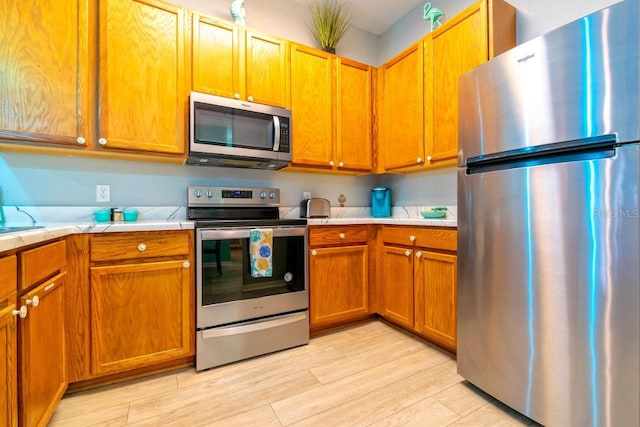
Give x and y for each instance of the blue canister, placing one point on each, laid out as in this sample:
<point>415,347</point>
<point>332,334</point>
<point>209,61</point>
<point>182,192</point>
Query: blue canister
<point>381,202</point>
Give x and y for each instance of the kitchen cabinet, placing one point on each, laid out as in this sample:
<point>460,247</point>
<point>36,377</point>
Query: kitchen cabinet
<point>401,127</point>
<point>418,281</point>
<point>338,274</point>
<point>45,89</point>
<point>353,141</point>
<point>312,76</point>
<point>482,31</point>
<point>143,76</point>
<point>8,342</point>
<point>41,369</point>
<point>332,116</point>
<point>233,62</point>
<point>141,300</point>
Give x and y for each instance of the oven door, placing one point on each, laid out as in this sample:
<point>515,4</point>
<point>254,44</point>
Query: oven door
<point>226,291</point>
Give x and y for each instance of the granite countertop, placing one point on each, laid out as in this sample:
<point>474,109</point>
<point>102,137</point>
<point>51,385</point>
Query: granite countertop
<point>60,221</point>
<point>63,221</point>
<point>400,215</point>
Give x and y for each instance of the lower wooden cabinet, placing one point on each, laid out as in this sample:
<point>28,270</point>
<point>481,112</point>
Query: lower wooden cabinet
<point>338,274</point>
<point>8,342</point>
<point>138,293</point>
<point>42,362</point>
<point>435,297</point>
<point>139,314</point>
<point>396,285</point>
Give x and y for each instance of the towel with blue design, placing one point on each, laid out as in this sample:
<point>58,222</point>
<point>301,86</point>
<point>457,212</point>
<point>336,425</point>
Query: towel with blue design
<point>260,251</point>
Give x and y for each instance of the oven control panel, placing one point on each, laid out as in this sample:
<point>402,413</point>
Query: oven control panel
<point>232,196</point>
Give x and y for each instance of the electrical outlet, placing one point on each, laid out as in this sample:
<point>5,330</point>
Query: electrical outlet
<point>306,194</point>
<point>103,193</point>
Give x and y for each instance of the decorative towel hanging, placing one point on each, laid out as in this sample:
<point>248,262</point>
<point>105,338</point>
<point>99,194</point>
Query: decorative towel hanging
<point>261,250</point>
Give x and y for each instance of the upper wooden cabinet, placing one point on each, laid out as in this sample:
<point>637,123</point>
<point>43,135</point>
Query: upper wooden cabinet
<point>44,88</point>
<point>418,126</point>
<point>353,115</point>
<point>143,76</point>
<point>401,113</point>
<point>311,106</point>
<point>483,30</point>
<point>331,103</point>
<point>236,63</point>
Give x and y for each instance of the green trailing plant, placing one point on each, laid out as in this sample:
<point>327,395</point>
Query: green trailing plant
<point>331,19</point>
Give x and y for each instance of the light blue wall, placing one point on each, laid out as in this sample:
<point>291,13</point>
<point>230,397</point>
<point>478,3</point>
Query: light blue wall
<point>27,179</point>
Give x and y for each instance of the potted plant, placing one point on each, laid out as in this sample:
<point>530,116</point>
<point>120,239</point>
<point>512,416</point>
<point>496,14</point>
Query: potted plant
<point>331,19</point>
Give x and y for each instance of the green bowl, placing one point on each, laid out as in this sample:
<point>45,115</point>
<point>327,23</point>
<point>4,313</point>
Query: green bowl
<point>433,214</point>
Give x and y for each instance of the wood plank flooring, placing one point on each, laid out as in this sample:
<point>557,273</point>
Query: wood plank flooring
<point>370,374</point>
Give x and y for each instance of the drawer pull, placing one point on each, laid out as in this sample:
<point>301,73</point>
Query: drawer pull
<point>408,253</point>
<point>81,140</point>
<point>418,254</point>
<point>412,238</point>
<point>35,301</point>
<point>102,141</point>
<point>22,312</point>
<point>186,264</point>
<point>314,252</point>
<point>142,247</point>
<point>342,236</point>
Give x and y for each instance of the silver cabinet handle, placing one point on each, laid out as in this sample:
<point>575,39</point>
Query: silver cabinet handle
<point>407,253</point>
<point>81,140</point>
<point>35,301</point>
<point>418,254</point>
<point>412,238</point>
<point>342,235</point>
<point>314,252</point>
<point>22,312</point>
<point>102,141</point>
<point>142,247</point>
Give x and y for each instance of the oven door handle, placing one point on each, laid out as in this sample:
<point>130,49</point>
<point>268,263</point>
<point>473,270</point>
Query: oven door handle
<point>254,326</point>
<point>243,233</point>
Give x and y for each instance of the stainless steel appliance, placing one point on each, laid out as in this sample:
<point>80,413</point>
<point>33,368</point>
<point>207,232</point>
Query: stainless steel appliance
<point>548,224</point>
<point>238,315</point>
<point>315,208</point>
<point>233,133</point>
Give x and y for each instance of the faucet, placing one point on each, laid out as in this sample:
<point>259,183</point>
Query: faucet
<point>2,220</point>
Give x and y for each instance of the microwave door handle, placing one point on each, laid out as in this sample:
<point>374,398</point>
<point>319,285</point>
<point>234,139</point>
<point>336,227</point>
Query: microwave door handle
<point>276,133</point>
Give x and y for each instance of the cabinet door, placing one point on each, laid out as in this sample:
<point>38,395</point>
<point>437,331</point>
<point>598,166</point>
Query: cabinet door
<point>467,37</point>
<point>8,366</point>
<point>44,88</point>
<point>267,70</point>
<point>140,314</point>
<point>42,358</point>
<point>436,297</point>
<point>311,107</point>
<point>401,125</point>
<point>143,95</point>
<point>396,282</point>
<point>338,284</point>
<point>353,115</point>
<point>216,57</point>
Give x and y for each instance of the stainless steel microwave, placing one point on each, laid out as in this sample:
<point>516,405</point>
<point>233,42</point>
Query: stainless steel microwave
<point>233,133</point>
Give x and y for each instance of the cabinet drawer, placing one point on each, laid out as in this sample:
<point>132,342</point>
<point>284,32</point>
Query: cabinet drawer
<point>122,246</point>
<point>42,262</point>
<point>424,237</point>
<point>8,277</point>
<point>338,234</point>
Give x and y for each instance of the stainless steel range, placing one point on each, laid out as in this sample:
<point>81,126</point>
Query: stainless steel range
<point>251,275</point>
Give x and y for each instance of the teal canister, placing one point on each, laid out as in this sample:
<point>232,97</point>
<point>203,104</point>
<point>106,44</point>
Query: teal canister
<point>381,202</point>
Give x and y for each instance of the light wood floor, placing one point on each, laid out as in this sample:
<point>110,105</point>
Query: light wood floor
<point>370,374</point>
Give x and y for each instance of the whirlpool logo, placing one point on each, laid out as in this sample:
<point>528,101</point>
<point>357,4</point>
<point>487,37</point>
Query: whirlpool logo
<point>526,58</point>
<point>617,213</point>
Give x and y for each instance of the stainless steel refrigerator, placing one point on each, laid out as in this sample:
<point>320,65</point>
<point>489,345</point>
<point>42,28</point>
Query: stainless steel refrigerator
<point>548,226</point>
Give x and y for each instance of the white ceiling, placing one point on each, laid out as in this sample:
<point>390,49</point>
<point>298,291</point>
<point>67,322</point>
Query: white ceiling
<point>376,16</point>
